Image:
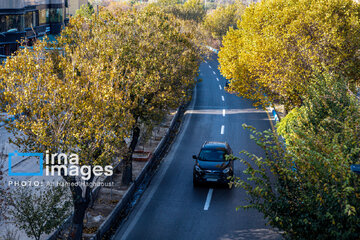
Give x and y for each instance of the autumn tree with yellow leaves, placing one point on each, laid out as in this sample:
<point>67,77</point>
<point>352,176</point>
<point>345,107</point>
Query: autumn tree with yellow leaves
<point>218,21</point>
<point>279,43</point>
<point>107,75</point>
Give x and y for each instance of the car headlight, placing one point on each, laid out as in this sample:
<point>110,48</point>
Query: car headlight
<point>226,170</point>
<point>197,168</point>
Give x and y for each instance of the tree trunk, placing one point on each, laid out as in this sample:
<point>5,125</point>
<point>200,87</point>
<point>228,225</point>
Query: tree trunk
<point>127,164</point>
<point>81,203</point>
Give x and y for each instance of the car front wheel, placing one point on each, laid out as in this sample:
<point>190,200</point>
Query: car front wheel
<point>196,183</point>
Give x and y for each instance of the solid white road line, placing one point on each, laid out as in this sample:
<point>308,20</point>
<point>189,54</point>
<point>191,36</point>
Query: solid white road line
<point>222,98</point>
<point>222,129</point>
<point>214,73</point>
<point>220,87</point>
<point>208,199</point>
<point>223,112</point>
<point>209,66</point>
<point>217,79</point>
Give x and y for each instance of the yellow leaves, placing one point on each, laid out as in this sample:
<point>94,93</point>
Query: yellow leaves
<point>279,43</point>
<point>84,97</point>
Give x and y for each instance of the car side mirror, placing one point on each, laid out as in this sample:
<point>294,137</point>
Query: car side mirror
<point>194,157</point>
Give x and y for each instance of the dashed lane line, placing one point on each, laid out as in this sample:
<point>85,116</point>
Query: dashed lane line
<point>208,199</point>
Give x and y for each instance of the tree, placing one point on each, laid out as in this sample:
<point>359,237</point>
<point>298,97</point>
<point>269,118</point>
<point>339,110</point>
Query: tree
<point>279,43</point>
<point>307,189</point>
<point>165,63</point>
<point>106,77</point>
<point>86,10</point>
<point>39,212</point>
<point>219,21</point>
<point>71,97</point>
<point>192,10</point>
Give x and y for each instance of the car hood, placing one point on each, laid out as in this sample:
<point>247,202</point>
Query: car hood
<point>210,165</point>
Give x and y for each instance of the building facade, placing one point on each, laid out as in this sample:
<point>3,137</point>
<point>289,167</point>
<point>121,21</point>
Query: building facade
<point>28,20</point>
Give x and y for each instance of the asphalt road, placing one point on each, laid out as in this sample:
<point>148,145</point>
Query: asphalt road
<point>171,208</point>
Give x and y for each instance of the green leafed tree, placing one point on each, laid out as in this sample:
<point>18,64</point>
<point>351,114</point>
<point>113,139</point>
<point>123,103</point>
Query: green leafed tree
<point>86,10</point>
<point>279,43</point>
<point>38,211</point>
<point>306,188</point>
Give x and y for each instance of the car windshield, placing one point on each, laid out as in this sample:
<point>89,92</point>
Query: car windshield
<point>212,155</point>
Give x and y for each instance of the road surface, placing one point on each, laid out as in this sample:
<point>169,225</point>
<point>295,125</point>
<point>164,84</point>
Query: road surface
<point>171,208</point>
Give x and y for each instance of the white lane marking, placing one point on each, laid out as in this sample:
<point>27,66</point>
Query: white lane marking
<point>222,129</point>
<point>223,112</point>
<point>217,79</point>
<point>208,199</point>
<point>214,73</point>
<point>222,98</point>
<point>220,87</point>
<point>209,66</point>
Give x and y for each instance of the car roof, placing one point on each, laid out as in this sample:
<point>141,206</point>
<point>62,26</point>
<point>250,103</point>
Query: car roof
<point>215,145</point>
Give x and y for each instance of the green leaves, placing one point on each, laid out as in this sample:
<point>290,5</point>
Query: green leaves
<point>39,212</point>
<point>306,188</point>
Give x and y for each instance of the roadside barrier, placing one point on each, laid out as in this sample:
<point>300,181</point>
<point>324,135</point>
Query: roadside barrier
<point>147,171</point>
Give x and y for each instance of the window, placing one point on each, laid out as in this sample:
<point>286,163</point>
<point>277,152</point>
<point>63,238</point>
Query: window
<point>42,16</point>
<point>30,19</point>
<point>56,15</point>
<point>8,22</point>
<point>3,27</point>
<point>212,155</point>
